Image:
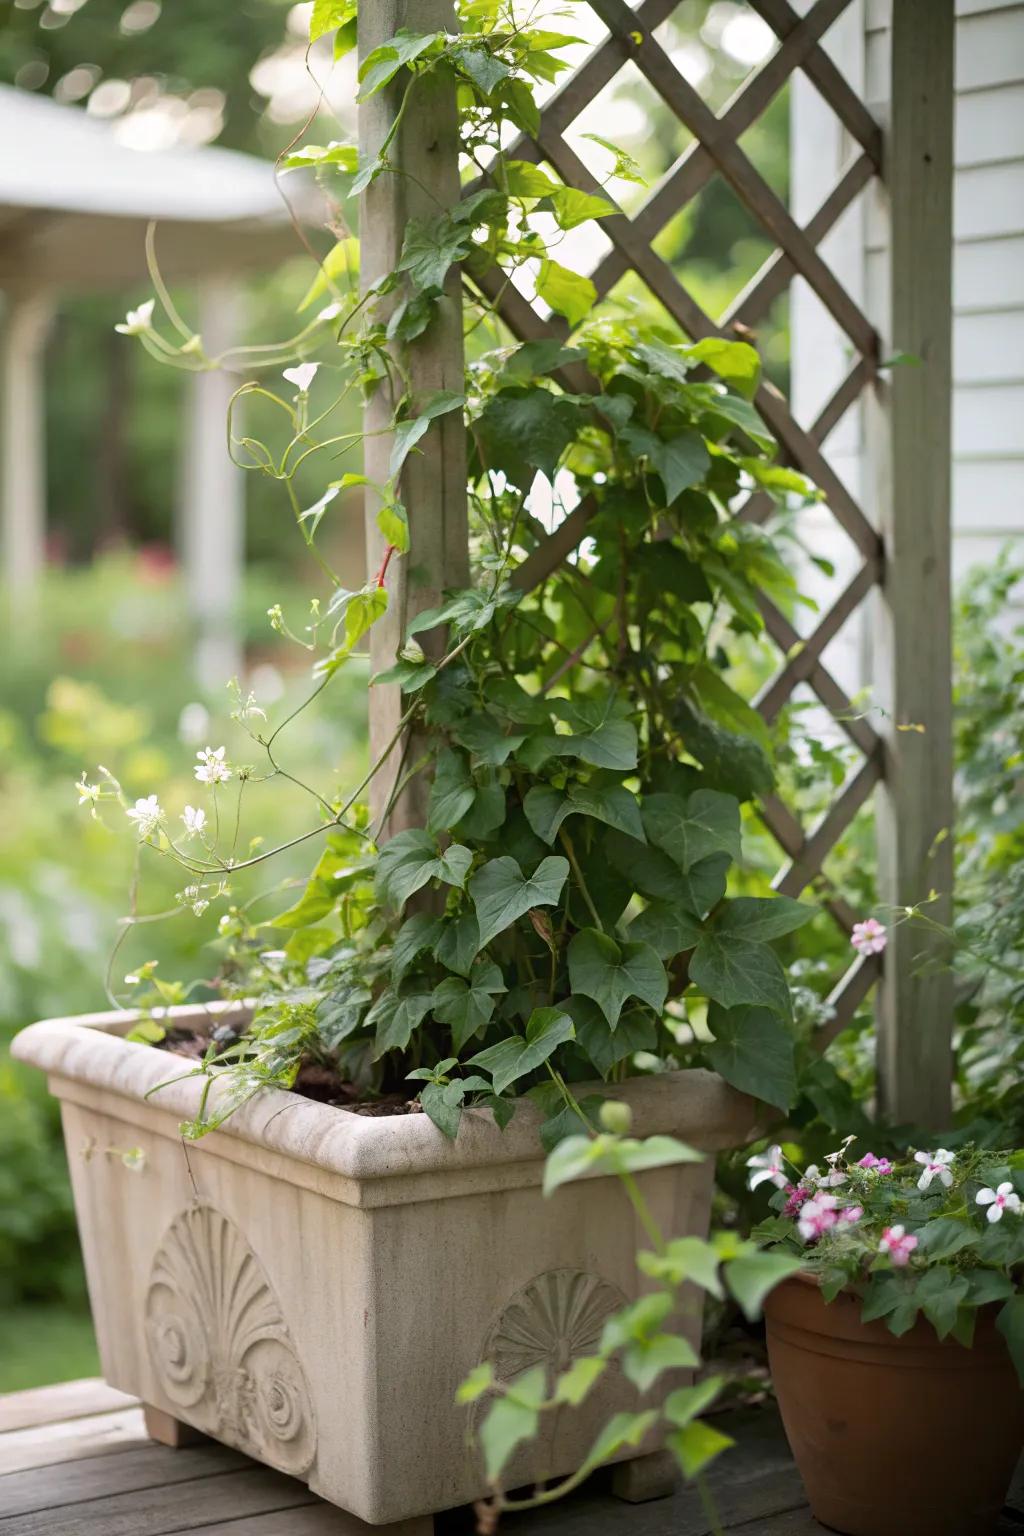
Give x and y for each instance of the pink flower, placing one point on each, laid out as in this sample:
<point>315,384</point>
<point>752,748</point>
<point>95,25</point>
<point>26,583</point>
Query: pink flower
<point>851,1213</point>
<point>875,1164</point>
<point>899,1244</point>
<point>817,1217</point>
<point>797,1197</point>
<point>869,937</point>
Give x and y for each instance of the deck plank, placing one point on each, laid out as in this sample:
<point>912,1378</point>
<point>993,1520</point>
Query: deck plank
<point>45,1445</point>
<point>186,1506</point>
<point>97,1477</point>
<point>66,1400</point>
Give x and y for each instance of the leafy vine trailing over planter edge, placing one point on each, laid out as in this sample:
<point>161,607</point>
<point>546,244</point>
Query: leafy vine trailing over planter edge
<point>565,904</point>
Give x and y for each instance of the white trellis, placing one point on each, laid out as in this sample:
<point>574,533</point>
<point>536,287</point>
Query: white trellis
<point>898,529</point>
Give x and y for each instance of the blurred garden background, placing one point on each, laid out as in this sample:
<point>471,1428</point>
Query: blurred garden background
<point>99,661</point>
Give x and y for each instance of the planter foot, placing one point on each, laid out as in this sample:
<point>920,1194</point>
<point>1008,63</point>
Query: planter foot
<point>647,1477</point>
<point>167,1430</point>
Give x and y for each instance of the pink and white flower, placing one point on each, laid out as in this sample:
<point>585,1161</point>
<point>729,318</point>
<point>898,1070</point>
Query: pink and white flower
<point>767,1166</point>
<point>212,768</point>
<point>1003,1198</point>
<point>936,1165</point>
<point>817,1217</point>
<point>830,1180</point>
<point>875,1164</point>
<point>899,1244</point>
<point>850,1214</point>
<point>869,937</point>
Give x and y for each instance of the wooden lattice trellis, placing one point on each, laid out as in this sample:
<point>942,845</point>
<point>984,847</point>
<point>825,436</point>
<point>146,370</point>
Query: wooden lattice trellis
<point>915,1070</point>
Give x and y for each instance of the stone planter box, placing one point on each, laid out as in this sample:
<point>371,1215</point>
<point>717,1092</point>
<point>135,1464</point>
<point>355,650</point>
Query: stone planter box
<point>311,1285</point>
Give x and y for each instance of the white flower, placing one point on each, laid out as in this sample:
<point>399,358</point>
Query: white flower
<point>817,1217</point>
<point>767,1166</point>
<point>302,376</point>
<point>138,321</point>
<point>194,819</point>
<point>830,1180</point>
<point>936,1166</point>
<point>147,815</point>
<point>212,767</point>
<point>1002,1198</point>
<point>88,794</point>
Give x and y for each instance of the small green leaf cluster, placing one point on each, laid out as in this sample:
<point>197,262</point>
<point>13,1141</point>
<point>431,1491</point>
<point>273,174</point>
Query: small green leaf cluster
<point>939,1237</point>
<point>647,1339</point>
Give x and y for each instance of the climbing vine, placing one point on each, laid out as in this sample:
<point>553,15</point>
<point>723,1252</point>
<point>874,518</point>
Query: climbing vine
<point>564,911</point>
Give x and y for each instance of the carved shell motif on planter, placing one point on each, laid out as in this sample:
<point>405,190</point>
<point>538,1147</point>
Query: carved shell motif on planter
<point>220,1345</point>
<point>550,1321</point>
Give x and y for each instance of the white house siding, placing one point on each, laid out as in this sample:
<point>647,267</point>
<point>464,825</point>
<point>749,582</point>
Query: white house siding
<point>988,271</point>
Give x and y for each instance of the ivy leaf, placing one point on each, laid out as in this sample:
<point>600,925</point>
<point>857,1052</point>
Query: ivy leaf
<point>452,792</point>
<point>750,1277</point>
<point>409,432</point>
<point>344,156</point>
<point>646,1359</point>
<point>417,933</point>
<point>489,808</point>
<point>940,1294</point>
<point>395,1017</point>
<point>442,1103</point>
<point>608,972</point>
<point>466,1006</point>
<point>501,893</point>
<point>489,739</point>
<point>484,68</point>
<point>340,1013</point>
<point>393,522</point>
<point>602,733</point>
<point>681,462</point>
<point>667,928</point>
<point>732,971</point>
<point>524,179</point>
<point>458,943</point>
<point>691,830</point>
<point>603,1046</point>
<point>571,207</point>
<point>762,918</point>
<point>734,361</point>
<point>654,874</point>
<point>622,1429</point>
<point>511,1059</point>
<point>754,1051</point>
<point>945,1236</point>
<point>566,292</point>
<point>384,62</point>
<point>575,1383</point>
<point>578,1155</point>
<point>328,14</point>
<point>511,1419</point>
<point>546,808</point>
<point>696,1445</point>
<point>411,859</point>
<point>521,431</point>
<point>430,248</point>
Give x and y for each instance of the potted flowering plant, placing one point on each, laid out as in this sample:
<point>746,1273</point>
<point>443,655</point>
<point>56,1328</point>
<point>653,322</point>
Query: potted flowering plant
<point>897,1351</point>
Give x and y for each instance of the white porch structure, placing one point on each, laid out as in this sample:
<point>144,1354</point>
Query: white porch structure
<point>74,208</point>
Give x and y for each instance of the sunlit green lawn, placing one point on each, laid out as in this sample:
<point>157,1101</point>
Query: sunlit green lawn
<point>44,1344</point>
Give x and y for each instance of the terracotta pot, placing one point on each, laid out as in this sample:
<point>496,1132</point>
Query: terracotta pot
<point>893,1437</point>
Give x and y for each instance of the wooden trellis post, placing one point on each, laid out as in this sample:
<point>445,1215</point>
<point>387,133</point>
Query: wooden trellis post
<point>909,448</point>
<point>424,154</point>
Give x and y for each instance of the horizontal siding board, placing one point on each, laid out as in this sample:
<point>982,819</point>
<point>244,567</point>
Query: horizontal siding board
<point>989,420</point>
<point>990,49</point>
<point>988,274</point>
<point>988,497</point>
<point>990,126</point>
<point>989,349</point>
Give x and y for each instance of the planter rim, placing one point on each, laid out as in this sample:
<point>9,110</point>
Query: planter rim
<point>695,1104</point>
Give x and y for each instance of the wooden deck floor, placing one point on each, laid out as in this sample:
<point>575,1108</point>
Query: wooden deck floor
<point>75,1461</point>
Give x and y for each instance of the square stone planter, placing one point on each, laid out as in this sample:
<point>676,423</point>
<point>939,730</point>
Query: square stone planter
<point>310,1285</point>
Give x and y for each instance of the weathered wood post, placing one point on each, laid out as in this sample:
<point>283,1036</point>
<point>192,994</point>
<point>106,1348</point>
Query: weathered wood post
<point>425,179</point>
<point>909,446</point>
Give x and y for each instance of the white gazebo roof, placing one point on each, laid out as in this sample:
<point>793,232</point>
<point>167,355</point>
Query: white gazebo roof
<point>75,202</point>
